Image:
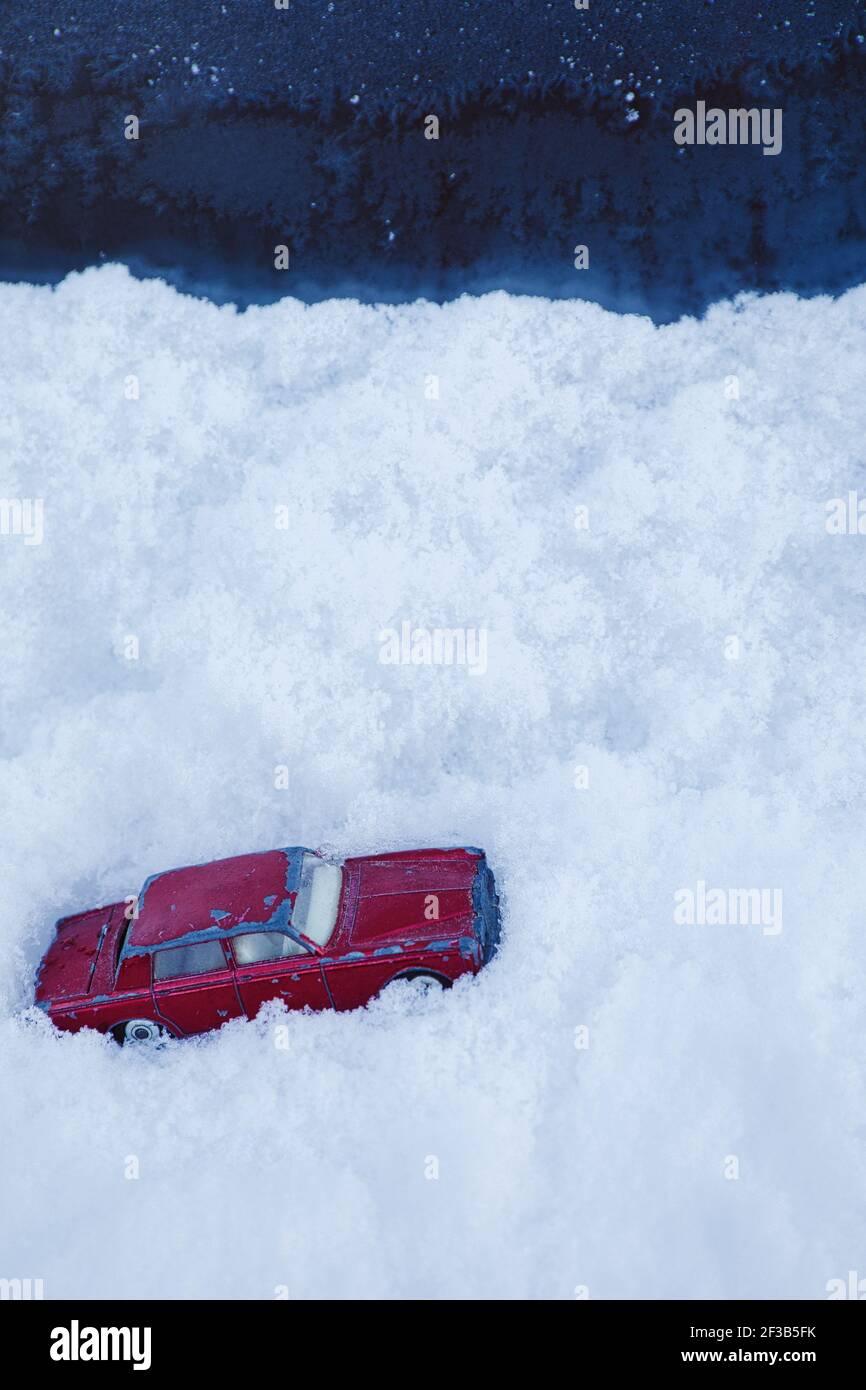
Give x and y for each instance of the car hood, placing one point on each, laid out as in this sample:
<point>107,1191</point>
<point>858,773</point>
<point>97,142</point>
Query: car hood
<point>423,895</point>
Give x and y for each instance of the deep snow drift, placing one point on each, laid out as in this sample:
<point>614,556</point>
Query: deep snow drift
<point>609,1166</point>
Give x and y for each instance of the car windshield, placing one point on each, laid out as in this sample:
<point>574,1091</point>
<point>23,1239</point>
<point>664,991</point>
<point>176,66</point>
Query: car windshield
<point>318,899</point>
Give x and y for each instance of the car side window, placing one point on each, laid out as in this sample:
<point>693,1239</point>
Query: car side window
<point>252,947</point>
<point>175,961</point>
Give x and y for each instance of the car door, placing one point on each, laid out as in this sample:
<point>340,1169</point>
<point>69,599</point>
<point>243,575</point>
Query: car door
<point>194,987</point>
<point>273,965</point>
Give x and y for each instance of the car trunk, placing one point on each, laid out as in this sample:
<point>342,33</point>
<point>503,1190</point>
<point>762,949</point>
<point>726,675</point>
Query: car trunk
<point>69,965</point>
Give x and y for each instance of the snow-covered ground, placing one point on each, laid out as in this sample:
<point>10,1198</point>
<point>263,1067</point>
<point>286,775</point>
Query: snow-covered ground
<point>622,1102</point>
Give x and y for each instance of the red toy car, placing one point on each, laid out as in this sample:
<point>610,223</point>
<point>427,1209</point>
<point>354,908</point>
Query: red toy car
<point>216,941</point>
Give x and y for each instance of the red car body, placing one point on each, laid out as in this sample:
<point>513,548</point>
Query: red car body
<point>216,941</point>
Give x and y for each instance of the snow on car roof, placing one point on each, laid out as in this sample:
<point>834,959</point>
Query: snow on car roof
<point>203,901</point>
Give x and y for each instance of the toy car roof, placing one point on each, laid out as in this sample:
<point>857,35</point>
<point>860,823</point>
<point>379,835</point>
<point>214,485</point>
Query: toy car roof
<point>206,901</point>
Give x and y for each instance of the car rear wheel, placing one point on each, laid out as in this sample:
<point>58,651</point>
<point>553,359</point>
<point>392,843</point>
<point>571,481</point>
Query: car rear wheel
<point>140,1031</point>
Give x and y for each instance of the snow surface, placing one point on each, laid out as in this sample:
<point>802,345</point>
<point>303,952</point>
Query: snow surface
<point>560,1167</point>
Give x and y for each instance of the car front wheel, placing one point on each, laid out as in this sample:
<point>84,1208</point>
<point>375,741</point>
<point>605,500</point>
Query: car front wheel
<point>140,1030</point>
<point>422,981</point>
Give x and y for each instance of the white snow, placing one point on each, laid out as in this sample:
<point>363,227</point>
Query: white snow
<point>310,1168</point>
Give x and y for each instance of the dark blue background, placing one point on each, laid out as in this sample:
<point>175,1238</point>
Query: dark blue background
<point>265,144</point>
